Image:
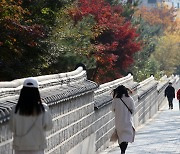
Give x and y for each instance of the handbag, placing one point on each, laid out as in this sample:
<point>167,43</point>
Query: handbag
<point>114,136</point>
<point>126,106</point>
<point>22,135</point>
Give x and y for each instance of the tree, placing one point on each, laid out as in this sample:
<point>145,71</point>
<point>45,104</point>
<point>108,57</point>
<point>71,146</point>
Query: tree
<point>18,41</point>
<point>70,43</point>
<point>167,53</point>
<point>114,38</point>
<point>151,23</point>
<point>161,16</point>
<point>25,26</point>
<point>148,34</point>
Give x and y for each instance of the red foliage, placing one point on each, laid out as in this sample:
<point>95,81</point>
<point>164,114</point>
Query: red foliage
<point>116,42</point>
<point>16,32</point>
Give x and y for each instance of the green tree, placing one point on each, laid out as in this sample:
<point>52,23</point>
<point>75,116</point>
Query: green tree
<point>148,36</point>
<point>70,43</point>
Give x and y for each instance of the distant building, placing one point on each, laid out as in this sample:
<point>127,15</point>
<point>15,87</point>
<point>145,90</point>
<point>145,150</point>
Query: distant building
<point>150,3</point>
<point>155,3</point>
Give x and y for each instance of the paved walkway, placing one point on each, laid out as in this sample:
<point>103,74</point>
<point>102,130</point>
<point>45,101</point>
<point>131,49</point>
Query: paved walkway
<point>160,135</point>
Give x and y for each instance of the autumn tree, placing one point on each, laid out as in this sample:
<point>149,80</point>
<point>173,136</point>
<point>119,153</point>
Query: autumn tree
<point>25,26</point>
<point>152,24</point>
<point>49,37</point>
<point>167,53</point>
<point>166,38</point>
<point>18,41</point>
<point>114,38</point>
<point>160,16</point>
<point>178,31</point>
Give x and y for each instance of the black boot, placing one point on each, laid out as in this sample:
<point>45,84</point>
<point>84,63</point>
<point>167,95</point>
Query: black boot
<point>123,147</point>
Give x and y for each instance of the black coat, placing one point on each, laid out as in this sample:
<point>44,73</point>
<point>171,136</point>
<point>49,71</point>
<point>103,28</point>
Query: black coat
<point>170,92</point>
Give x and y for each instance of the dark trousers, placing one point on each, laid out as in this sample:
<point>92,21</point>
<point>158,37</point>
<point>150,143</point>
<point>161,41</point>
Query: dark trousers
<point>170,100</point>
<point>123,146</point>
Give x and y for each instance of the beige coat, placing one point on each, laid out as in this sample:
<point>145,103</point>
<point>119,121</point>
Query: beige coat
<point>123,119</point>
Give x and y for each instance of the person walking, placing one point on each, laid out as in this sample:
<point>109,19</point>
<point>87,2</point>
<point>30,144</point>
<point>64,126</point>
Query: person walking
<point>178,97</point>
<point>170,94</point>
<point>123,106</point>
<point>29,119</point>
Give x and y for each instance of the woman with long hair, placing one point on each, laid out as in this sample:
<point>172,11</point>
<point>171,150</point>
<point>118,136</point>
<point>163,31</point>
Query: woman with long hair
<point>29,119</point>
<point>123,106</point>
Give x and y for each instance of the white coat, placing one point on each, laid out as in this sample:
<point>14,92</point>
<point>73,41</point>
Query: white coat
<point>29,131</point>
<point>123,119</point>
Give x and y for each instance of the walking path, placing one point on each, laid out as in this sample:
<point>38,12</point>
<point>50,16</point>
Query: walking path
<point>160,135</point>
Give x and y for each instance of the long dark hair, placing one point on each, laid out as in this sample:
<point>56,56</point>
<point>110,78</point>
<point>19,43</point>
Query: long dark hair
<point>29,102</point>
<point>120,90</point>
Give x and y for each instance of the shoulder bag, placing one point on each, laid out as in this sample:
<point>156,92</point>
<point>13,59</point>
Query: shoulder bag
<point>126,106</point>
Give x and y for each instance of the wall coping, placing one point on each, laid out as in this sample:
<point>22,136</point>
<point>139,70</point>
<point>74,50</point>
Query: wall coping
<point>10,88</point>
<point>18,82</point>
<point>59,87</point>
<point>103,95</point>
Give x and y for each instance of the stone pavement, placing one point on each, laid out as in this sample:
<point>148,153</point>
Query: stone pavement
<point>160,135</point>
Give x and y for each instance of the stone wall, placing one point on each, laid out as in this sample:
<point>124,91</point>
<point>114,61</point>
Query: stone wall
<point>81,109</point>
<point>148,96</point>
